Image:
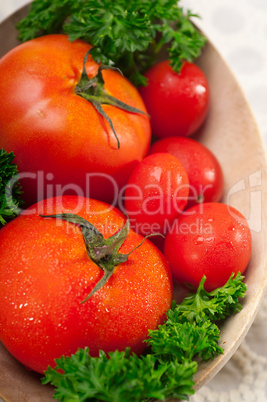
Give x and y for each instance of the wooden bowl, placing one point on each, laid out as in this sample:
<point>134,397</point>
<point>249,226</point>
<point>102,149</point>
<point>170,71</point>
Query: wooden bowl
<point>232,134</point>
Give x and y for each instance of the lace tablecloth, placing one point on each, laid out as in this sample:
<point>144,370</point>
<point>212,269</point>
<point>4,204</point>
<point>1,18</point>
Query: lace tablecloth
<point>239,31</point>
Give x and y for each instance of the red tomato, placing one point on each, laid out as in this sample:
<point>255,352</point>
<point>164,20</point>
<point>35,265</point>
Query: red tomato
<point>156,193</point>
<point>204,171</point>
<point>46,273</point>
<point>61,143</point>
<point>210,239</point>
<point>177,103</point>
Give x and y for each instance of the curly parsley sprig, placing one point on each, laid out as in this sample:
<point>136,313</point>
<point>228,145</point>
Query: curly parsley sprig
<point>118,377</point>
<point>168,367</point>
<point>217,304</point>
<point>127,34</point>
<point>10,193</point>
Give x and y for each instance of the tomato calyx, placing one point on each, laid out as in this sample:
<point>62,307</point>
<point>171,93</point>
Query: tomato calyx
<point>92,89</point>
<point>103,252</point>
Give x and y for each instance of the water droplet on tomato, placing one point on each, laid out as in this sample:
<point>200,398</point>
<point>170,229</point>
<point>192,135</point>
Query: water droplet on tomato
<point>229,245</point>
<point>69,289</point>
<point>199,240</point>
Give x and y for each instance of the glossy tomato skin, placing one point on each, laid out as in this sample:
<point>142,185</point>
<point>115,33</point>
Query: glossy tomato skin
<point>46,274</point>
<point>211,239</point>
<point>156,193</point>
<point>203,168</point>
<point>61,143</point>
<point>177,102</point>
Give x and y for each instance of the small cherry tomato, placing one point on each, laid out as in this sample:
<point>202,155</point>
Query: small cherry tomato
<point>177,103</point>
<point>156,193</point>
<point>210,239</point>
<point>203,168</point>
<point>47,275</point>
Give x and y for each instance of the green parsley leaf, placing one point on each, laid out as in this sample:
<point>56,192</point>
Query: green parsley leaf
<point>10,193</point>
<point>185,41</point>
<point>46,17</point>
<point>118,377</point>
<point>216,305</point>
<point>185,341</point>
<point>127,34</point>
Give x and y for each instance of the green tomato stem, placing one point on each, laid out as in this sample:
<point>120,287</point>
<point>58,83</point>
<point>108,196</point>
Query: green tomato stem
<point>103,252</point>
<point>92,89</point>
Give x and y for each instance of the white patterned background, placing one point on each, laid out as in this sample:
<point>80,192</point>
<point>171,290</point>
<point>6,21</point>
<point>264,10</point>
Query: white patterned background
<point>238,28</point>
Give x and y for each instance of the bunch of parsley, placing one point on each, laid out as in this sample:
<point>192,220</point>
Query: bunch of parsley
<point>10,192</point>
<point>127,34</point>
<point>167,369</point>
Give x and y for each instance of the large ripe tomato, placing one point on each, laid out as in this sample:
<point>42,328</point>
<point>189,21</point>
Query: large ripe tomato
<point>211,239</point>
<point>46,274</point>
<point>203,168</point>
<point>156,193</point>
<point>177,103</point>
<point>61,143</point>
